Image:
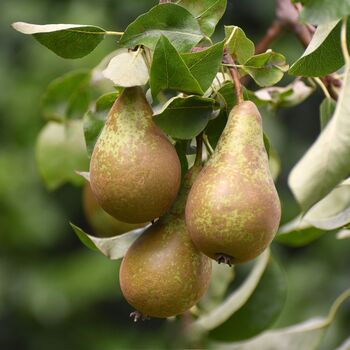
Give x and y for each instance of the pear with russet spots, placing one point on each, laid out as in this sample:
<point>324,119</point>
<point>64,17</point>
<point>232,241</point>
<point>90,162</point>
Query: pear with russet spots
<point>233,210</point>
<point>163,274</point>
<point>135,172</point>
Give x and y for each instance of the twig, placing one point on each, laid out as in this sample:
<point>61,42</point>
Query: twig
<point>287,17</point>
<point>208,145</point>
<point>235,76</point>
<point>322,86</point>
<point>272,34</point>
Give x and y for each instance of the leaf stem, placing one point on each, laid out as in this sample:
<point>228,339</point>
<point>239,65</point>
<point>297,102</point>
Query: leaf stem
<point>344,46</point>
<point>322,86</point>
<point>208,145</point>
<point>114,33</point>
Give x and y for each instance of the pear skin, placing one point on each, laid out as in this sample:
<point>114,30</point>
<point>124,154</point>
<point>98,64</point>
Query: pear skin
<point>233,210</point>
<point>103,224</point>
<point>163,274</point>
<point>135,172</point>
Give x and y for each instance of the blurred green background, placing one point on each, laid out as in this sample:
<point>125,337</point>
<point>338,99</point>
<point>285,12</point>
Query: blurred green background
<point>55,293</point>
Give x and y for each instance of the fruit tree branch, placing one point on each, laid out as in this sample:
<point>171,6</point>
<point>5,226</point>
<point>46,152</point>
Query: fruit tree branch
<point>235,76</point>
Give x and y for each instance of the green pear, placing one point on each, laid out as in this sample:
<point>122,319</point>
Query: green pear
<point>135,172</point>
<point>163,274</point>
<point>233,210</point>
<point>103,224</point>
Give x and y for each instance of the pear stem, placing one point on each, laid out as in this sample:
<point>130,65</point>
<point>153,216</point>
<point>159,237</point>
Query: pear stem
<point>199,152</point>
<point>235,76</point>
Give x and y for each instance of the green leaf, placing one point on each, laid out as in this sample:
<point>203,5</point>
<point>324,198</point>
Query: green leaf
<point>287,96</point>
<point>113,248</point>
<point>267,68</point>
<point>185,117</point>
<point>84,237</point>
<point>324,11</point>
<point>221,277</point>
<point>215,128</point>
<point>327,162</point>
<point>169,20</point>
<point>238,45</point>
<point>95,119</point>
<point>60,152</point>
<point>323,55</point>
<point>227,94</point>
<point>67,97</point>
<point>302,336</point>
<point>204,64</point>
<point>127,68</point>
<point>181,149</point>
<point>65,40</point>
<point>327,109</point>
<point>265,301</point>
<point>207,12</point>
<point>169,71</point>
<point>236,300</point>
<point>298,233</point>
<point>330,213</point>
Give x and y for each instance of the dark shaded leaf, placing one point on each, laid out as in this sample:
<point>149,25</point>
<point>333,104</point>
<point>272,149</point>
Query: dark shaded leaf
<point>185,117</point>
<point>170,20</point>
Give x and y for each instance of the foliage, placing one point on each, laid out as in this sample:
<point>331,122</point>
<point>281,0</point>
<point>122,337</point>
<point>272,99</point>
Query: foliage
<point>192,92</point>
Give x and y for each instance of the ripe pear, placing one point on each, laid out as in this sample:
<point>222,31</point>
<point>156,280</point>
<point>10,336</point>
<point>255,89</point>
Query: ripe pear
<point>163,274</point>
<point>135,172</point>
<point>233,210</point>
<point>103,224</point>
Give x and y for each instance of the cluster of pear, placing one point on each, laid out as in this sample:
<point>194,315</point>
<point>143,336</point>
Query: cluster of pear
<point>228,210</point>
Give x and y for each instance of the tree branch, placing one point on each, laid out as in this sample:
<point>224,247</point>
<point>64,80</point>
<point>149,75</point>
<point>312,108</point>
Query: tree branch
<point>275,30</point>
<point>234,74</point>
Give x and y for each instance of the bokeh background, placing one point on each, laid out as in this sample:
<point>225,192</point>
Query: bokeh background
<point>54,292</point>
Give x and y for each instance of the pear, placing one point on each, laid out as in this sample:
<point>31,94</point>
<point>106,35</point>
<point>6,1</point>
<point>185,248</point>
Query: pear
<point>233,210</point>
<point>135,172</point>
<point>163,274</point>
<point>103,224</point>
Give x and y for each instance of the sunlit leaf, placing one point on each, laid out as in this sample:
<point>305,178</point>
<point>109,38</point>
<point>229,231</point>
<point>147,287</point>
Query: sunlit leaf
<point>66,40</point>
<point>327,162</point>
<point>127,68</point>
<point>287,96</point>
<point>113,247</point>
